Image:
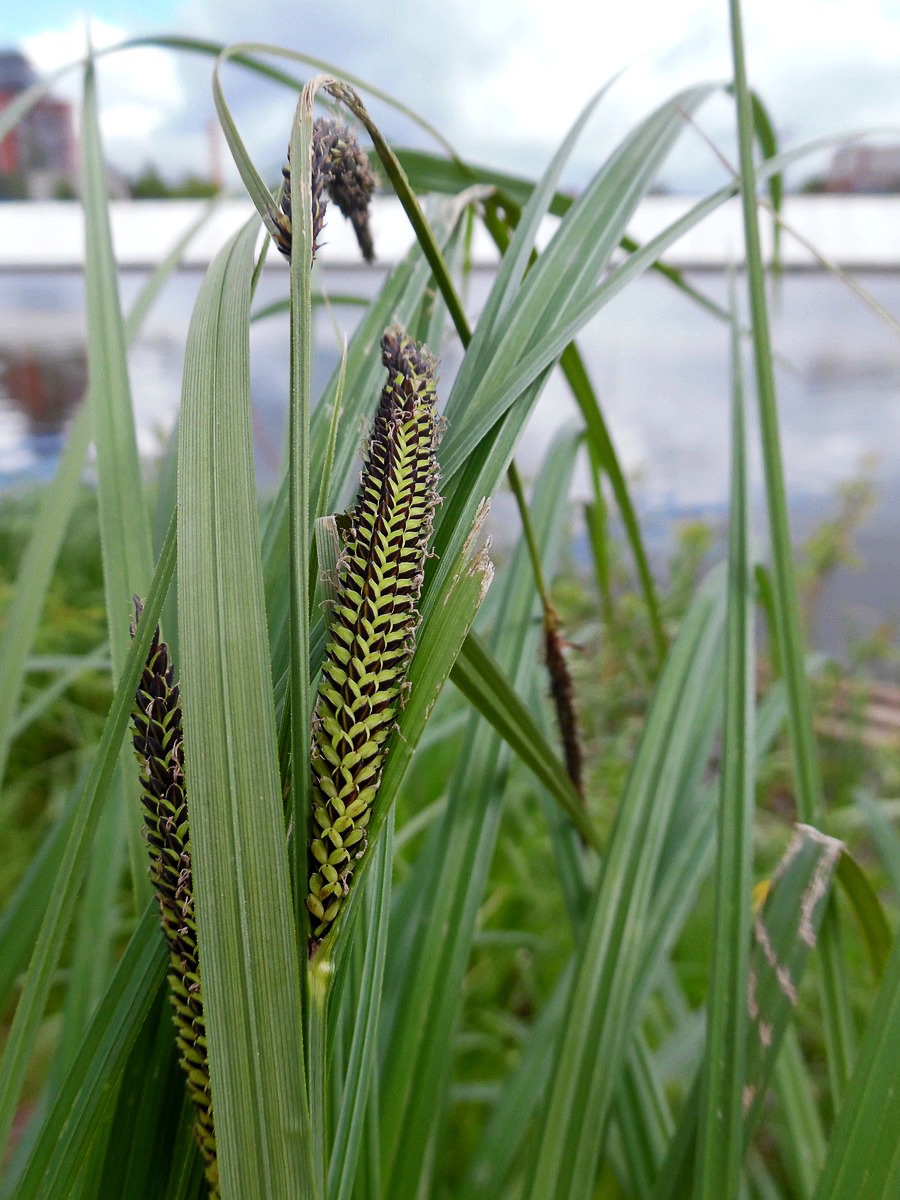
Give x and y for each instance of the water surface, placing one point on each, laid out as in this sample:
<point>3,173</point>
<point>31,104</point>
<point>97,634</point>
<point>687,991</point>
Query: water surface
<point>659,363</point>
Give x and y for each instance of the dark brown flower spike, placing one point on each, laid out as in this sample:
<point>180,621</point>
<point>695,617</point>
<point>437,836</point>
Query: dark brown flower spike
<point>158,745</point>
<point>339,167</point>
<point>563,696</point>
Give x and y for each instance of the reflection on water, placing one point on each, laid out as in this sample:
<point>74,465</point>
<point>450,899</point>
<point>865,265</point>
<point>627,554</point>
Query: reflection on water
<point>659,363</point>
<point>43,371</point>
<point>44,385</point>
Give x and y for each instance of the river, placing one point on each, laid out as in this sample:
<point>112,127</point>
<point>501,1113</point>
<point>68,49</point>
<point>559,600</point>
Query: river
<point>659,363</point>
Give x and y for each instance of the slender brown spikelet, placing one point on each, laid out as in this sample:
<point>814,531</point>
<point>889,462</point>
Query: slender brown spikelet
<point>340,167</point>
<point>158,746</point>
<point>350,186</point>
<point>563,696</point>
<point>373,623</point>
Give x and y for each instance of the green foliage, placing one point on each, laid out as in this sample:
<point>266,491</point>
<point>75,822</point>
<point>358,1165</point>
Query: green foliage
<point>517,990</point>
<point>13,185</point>
<point>150,185</point>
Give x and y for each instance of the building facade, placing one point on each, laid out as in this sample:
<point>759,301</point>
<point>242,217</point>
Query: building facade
<point>37,158</point>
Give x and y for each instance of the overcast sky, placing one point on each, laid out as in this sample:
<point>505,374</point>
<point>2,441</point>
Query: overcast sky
<point>502,81</point>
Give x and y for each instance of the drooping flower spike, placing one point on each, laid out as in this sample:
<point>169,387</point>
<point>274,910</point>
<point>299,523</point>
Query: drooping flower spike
<point>372,625</point>
<point>158,745</point>
<point>339,167</point>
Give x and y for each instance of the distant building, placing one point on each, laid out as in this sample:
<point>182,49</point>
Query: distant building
<point>864,169</point>
<point>37,158</point>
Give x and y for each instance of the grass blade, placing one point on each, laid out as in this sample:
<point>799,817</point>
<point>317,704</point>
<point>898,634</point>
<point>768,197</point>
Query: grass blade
<point>65,1136</point>
<point>21,917</point>
<point>23,613</point>
<point>835,1004</point>
<point>785,932</point>
<point>863,1158</point>
<point>480,679</point>
<point>39,978</point>
<point>799,1131</point>
<point>299,505</point>
<point>602,447</point>
<point>33,578</point>
<point>124,523</point>
<point>579,251</point>
<point>601,1016</point>
<point>869,913</point>
<point>243,903</point>
<point>417,1044</point>
<point>721,1115</point>
<point>884,835</point>
<point>349,1132</point>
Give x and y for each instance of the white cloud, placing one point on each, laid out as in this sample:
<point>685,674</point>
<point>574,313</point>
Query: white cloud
<point>124,123</point>
<point>823,66</point>
<point>503,83</point>
<point>139,90</point>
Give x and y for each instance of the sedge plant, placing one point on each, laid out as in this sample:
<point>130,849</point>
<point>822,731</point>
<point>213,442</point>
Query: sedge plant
<point>422,940</point>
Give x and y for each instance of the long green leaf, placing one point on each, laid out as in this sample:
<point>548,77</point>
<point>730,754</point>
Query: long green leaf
<point>683,870</point>
<point>601,1015</point>
<point>601,444</point>
<point>868,910</point>
<point>124,523</point>
<point>517,255</point>
<point>799,1126</point>
<point>838,1025</point>
<point>721,1116</point>
<point>784,935</point>
<point>144,1126</point>
<point>301,517</point>
<point>884,835</point>
<point>348,1136</point>
<point>602,452</point>
<point>580,249</point>
<point>479,678</point>
<point>66,1133</point>
<point>39,977</point>
<point>96,928</point>
<point>442,913</point>
<point>36,568</point>
<point>864,1150</point>
<point>35,571</point>
<point>127,566</point>
<point>22,915</point>
<point>244,912</point>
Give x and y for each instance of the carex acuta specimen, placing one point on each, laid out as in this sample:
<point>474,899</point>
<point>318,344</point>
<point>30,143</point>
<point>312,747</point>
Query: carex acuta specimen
<point>372,624</point>
<point>562,694</point>
<point>158,744</point>
<point>342,169</point>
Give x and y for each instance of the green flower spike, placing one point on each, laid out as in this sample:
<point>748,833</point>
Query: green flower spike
<point>158,745</point>
<point>373,623</point>
<point>340,167</point>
